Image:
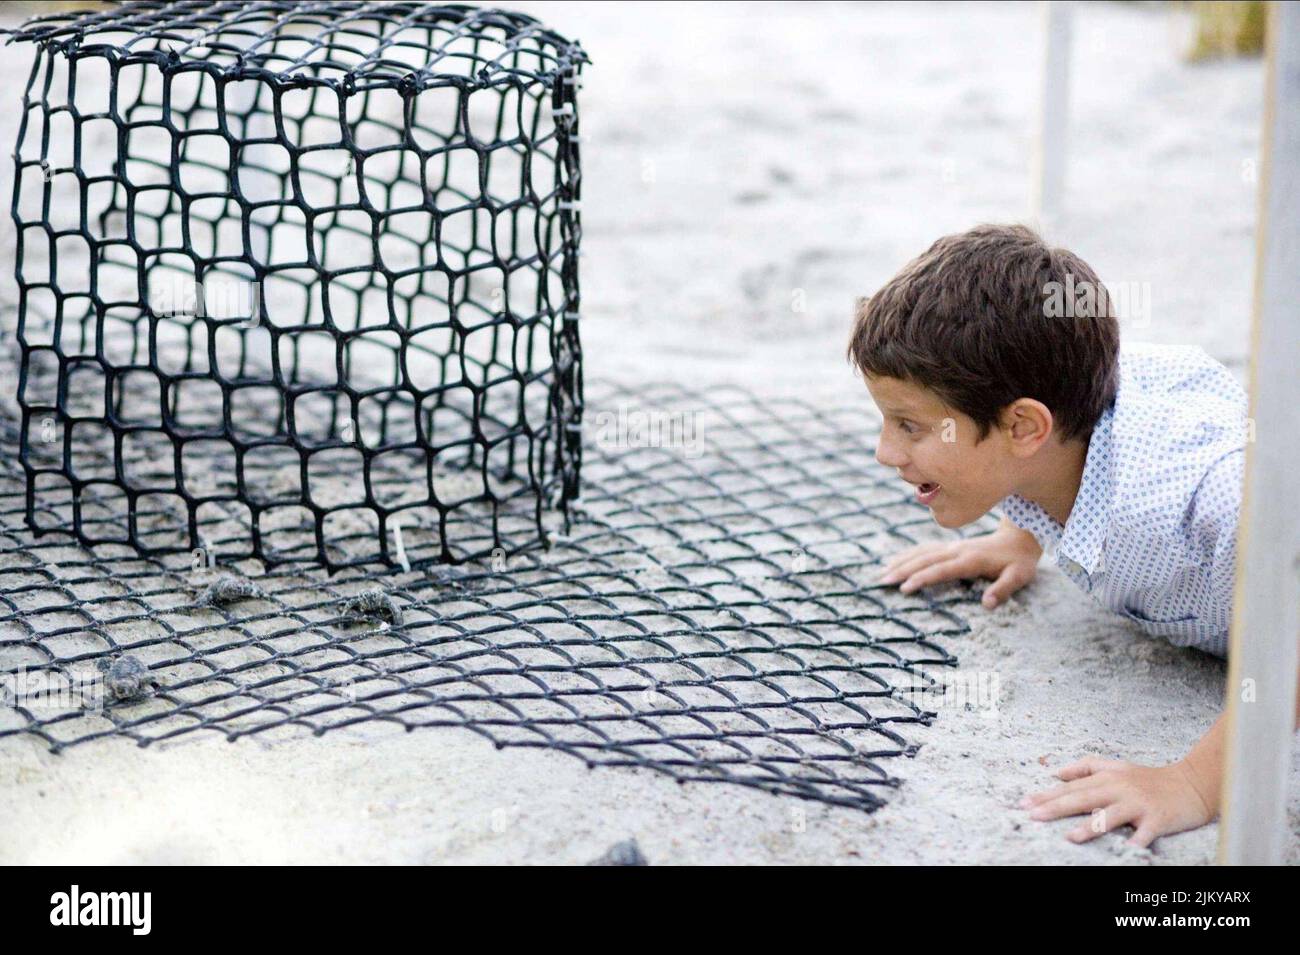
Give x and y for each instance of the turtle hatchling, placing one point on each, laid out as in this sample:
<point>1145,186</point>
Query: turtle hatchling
<point>372,605</point>
<point>622,853</point>
<point>125,677</point>
<point>228,590</point>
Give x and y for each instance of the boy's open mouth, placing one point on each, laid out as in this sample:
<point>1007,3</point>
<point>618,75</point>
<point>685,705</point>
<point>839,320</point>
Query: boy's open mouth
<point>926,492</point>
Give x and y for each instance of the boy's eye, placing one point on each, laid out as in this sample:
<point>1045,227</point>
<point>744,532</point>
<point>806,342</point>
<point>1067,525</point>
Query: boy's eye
<point>908,427</point>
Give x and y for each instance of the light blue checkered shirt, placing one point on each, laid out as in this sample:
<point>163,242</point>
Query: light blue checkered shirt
<point>1153,531</point>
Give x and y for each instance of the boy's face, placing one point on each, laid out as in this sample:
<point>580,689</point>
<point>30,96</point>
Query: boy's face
<point>934,448</point>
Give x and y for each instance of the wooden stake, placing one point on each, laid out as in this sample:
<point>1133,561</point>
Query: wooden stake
<point>1047,201</point>
<point>1265,641</point>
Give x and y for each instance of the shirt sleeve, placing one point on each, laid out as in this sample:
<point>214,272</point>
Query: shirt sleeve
<point>1211,532</point>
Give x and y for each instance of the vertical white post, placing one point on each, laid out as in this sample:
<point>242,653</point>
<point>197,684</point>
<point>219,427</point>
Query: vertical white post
<point>1265,648</point>
<point>1047,190</point>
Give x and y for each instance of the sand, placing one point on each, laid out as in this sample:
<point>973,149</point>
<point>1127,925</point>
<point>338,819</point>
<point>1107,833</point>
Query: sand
<point>751,169</point>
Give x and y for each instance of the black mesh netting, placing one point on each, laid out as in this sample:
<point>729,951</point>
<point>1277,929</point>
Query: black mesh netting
<point>297,327</point>
<point>307,238</point>
<point>712,615</point>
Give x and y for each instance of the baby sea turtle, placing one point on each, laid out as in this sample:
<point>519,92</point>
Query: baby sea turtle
<point>447,577</point>
<point>125,677</point>
<point>372,605</point>
<point>228,590</point>
<point>622,853</point>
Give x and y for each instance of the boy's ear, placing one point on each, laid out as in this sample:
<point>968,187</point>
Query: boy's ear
<point>1027,424</point>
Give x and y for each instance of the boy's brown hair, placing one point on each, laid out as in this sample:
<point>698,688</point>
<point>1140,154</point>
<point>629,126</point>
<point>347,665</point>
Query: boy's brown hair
<point>973,320</point>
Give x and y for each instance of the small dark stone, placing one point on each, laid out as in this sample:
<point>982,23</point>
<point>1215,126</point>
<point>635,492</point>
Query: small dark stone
<point>622,853</point>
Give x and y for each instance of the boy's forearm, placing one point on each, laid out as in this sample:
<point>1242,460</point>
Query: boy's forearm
<point>1205,761</point>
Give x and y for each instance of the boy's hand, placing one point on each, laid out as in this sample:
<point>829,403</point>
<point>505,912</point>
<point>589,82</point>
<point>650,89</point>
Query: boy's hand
<point>1008,557</point>
<point>1155,800</point>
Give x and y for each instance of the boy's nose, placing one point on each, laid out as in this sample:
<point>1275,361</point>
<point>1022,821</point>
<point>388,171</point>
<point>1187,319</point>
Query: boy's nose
<point>888,455</point>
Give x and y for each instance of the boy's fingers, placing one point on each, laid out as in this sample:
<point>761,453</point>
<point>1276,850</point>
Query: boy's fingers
<point>915,550</point>
<point>1146,834</point>
<point>902,565</point>
<point>1073,803</point>
<point>1009,581</point>
<point>1086,767</point>
<point>1056,792</point>
<point>1079,770</point>
<point>901,571</point>
<point>950,569</point>
<point>1105,820</point>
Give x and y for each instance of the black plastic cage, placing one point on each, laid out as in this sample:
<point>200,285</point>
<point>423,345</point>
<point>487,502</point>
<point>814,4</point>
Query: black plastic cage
<point>300,278</point>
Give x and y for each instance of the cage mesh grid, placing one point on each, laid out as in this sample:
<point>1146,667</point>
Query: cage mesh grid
<point>264,237</point>
<point>712,616</point>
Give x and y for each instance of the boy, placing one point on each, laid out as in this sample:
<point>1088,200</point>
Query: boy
<point>995,362</point>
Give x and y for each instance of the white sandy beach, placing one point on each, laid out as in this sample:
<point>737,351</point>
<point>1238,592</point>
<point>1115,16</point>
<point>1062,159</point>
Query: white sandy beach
<point>750,170</point>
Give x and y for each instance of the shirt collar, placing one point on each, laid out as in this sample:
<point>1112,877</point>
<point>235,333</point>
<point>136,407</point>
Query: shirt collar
<point>1084,533</point>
